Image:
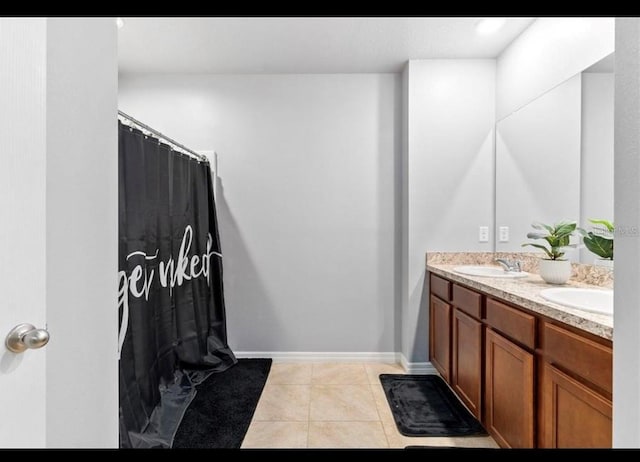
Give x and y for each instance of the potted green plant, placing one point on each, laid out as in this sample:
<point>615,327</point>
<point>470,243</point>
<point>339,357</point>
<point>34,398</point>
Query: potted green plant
<point>555,269</point>
<point>600,241</point>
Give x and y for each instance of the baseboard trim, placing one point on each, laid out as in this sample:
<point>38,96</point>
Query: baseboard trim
<point>417,367</point>
<point>341,357</point>
<point>322,356</point>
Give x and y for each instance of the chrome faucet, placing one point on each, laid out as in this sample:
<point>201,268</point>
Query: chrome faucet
<point>510,266</point>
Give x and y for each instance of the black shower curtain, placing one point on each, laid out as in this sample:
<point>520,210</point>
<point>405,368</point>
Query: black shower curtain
<point>171,305</point>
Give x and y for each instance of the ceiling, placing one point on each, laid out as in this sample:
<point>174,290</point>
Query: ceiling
<point>301,45</point>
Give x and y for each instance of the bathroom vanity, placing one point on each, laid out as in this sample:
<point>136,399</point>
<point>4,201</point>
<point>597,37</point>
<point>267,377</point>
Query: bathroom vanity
<point>535,373</point>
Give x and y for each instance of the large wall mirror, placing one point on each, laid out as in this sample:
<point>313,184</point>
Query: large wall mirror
<point>554,159</point>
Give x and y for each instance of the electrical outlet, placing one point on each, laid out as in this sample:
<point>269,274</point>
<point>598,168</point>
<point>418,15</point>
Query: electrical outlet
<point>483,234</point>
<point>503,234</point>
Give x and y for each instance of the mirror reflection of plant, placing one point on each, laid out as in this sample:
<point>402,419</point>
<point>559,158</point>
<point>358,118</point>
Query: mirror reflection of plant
<point>599,241</point>
<point>557,237</point>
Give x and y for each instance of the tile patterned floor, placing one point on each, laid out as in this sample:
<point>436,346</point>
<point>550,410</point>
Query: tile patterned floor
<point>331,405</point>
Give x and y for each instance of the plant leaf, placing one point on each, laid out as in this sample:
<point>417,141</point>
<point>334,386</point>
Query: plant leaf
<point>606,223</point>
<point>539,246</point>
<point>564,241</point>
<point>565,229</point>
<point>538,225</point>
<point>602,232</point>
<point>558,237</point>
<point>601,246</point>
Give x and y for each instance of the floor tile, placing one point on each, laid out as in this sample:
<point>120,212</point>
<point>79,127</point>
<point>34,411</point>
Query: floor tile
<point>382,405</point>
<point>475,442</point>
<point>398,441</point>
<point>342,403</point>
<point>335,405</point>
<point>375,369</point>
<point>276,435</point>
<point>290,374</point>
<point>339,374</point>
<point>283,403</point>
<point>346,435</point>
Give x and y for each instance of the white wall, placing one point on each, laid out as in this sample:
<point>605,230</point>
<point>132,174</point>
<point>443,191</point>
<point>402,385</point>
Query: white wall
<point>538,164</point>
<point>597,151</point>
<point>626,316</point>
<point>546,54</point>
<point>82,233</point>
<point>307,204</point>
<point>449,174</point>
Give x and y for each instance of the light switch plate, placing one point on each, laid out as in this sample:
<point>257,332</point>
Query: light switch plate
<point>503,234</point>
<point>483,234</point>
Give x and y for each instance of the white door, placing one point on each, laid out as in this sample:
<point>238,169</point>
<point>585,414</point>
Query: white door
<point>58,230</point>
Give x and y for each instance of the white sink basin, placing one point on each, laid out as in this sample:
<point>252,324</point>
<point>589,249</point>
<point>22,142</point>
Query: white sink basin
<point>489,272</point>
<point>594,300</point>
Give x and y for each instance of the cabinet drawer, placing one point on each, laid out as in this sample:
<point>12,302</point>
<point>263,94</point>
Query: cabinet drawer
<point>440,287</point>
<point>467,300</point>
<point>512,322</point>
<point>579,355</point>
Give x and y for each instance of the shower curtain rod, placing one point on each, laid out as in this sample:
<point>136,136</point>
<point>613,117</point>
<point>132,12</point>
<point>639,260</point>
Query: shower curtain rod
<point>200,157</point>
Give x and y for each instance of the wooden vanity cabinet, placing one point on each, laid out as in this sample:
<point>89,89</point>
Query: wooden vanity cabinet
<point>440,337</point>
<point>531,381</point>
<point>509,385</point>
<point>574,415</point>
<point>440,326</point>
<point>575,389</point>
<point>466,365</point>
<point>509,375</point>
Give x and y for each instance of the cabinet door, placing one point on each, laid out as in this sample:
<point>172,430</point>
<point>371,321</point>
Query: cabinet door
<point>574,415</point>
<point>440,337</point>
<point>509,392</point>
<point>467,360</point>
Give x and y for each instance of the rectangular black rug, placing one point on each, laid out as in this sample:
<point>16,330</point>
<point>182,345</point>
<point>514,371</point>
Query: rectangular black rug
<point>423,405</point>
<point>220,414</point>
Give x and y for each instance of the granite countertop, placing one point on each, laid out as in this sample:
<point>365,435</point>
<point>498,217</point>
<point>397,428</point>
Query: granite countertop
<point>524,292</point>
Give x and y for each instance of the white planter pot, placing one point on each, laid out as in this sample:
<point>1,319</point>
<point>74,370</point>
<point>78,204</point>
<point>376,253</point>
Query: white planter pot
<point>555,271</point>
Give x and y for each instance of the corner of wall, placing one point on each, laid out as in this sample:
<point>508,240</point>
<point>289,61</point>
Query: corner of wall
<point>423,367</point>
<point>404,224</point>
<point>450,119</point>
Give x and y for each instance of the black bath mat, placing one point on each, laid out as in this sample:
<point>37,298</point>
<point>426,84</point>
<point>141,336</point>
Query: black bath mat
<point>423,405</point>
<point>220,414</point>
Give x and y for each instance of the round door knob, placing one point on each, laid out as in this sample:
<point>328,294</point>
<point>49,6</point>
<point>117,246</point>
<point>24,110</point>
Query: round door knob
<point>24,337</point>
